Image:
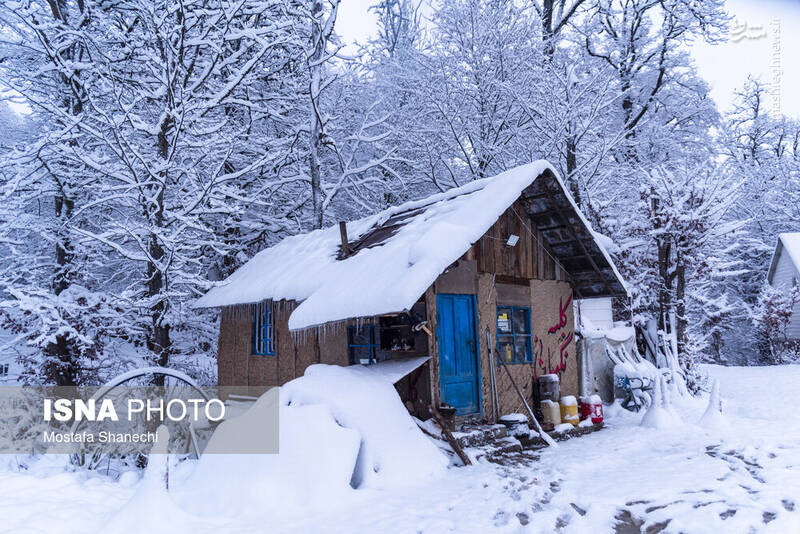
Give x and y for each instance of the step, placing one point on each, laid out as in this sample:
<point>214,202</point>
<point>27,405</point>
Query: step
<point>479,435</point>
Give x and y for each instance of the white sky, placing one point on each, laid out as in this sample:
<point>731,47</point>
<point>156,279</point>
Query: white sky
<point>725,66</point>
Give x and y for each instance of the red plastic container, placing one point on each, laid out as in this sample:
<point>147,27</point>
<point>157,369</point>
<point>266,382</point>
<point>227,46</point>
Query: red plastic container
<point>592,407</point>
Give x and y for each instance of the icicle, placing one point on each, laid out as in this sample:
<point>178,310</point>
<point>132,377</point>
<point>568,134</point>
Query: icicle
<point>666,392</point>
<point>714,401</point>
<point>657,400</point>
<point>713,417</point>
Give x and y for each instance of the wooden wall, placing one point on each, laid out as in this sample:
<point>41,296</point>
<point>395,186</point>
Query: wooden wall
<point>294,352</point>
<point>530,258</point>
<point>544,298</point>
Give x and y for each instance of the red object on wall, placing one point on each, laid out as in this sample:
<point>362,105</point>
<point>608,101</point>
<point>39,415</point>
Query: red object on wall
<point>592,408</point>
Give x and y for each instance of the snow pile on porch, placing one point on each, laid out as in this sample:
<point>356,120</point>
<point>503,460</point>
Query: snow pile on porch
<point>313,468</point>
<point>340,428</point>
<point>389,277</point>
<point>393,452</point>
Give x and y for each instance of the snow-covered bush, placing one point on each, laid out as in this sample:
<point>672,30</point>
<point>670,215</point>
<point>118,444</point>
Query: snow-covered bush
<point>771,320</point>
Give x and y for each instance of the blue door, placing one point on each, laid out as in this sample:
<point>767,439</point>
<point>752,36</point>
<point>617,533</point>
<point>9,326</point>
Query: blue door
<point>458,370</point>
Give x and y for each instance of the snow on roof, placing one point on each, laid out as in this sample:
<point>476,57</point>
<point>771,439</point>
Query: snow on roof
<point>790,242</point>
<point>388,276</point>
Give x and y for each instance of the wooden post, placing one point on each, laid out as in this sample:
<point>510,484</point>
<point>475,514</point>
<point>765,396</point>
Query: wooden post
<point>343,234</point>
<point>448,436</point>
<point>542,433</point>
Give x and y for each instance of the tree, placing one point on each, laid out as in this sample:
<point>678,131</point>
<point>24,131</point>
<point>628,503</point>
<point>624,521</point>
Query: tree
<point>148,140</point>
<point>762,151</point>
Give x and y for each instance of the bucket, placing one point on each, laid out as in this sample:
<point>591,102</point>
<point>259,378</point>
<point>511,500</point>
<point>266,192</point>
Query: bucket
<point>448,414</point>
<point>569,410</point>
<point>549,387</point>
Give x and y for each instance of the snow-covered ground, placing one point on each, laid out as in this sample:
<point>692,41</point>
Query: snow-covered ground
<point>681,478</point>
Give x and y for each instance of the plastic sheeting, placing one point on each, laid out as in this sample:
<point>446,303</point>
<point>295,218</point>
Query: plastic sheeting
<point>596,370</point>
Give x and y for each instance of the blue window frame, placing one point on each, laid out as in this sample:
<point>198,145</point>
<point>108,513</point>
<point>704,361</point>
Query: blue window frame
<point>514,334</point>
<point>263,329</point>
<point>362,344</point>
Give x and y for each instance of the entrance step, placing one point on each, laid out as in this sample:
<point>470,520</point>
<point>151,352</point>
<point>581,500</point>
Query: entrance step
<point>477,435</point>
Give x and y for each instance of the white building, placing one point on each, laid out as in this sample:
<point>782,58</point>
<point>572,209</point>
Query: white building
<point>784,272</point>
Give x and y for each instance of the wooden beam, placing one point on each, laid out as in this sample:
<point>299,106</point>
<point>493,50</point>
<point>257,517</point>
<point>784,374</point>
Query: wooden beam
<point>343,235</point>
<point>448,436</point>
<point>516,280</point>
<point>573,233</point>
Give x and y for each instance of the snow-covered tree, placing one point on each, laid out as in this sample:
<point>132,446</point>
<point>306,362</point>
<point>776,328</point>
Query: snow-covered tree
<point>771,320</point>
<point>761,150</point>
<point>141,158</point>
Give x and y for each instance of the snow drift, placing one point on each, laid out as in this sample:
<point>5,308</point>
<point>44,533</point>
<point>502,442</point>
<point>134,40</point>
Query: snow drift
<point>393,450</point>
<point>340,428</point>
<point>151,507</point>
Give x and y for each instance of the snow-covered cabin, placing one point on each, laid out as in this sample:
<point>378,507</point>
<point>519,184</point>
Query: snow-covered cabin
<point>491,265</point>
<point>784,272</point>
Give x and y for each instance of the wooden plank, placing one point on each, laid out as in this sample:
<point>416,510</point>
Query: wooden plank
<point>490,264</point>
<point>506,279</point>
<point>449,437</point>
<point>540,254</point>
<point>497,262</point>
<point>509,252</point>
<point>433,368</point>
<point>285,355</point>
<point>486,304</point>
<point>528,270</point>
<point>516,262</point>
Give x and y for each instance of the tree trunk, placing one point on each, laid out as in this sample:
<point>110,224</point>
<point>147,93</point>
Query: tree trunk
<point>158,338</point>
<point>572,166</point>
<point>680,306</point>
<point>547,28</point>
<point>63,367</point>
<point>319,42</point>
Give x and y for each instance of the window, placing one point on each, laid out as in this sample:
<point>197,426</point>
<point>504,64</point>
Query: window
<point>362,344</point>
<point>263,329</point>
<point>3,369</point>
<point>514,334</point>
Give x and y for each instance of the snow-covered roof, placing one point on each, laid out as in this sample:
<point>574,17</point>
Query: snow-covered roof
<point>397,253</point>
<point>790,242</point>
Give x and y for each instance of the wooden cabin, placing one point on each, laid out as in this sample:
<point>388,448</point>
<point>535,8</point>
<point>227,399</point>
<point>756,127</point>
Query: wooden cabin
<point>458,280</point>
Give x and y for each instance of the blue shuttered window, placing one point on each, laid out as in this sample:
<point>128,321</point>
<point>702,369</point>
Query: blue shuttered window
<point>514,334</point>
<point>362,344</point>
<point>263,329</point>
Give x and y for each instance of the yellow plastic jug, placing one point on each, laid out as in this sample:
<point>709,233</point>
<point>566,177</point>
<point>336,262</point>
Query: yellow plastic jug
<point>569,410</point>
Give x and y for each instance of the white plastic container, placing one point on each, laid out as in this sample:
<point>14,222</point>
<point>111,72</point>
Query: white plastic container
<point>551,412</point>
